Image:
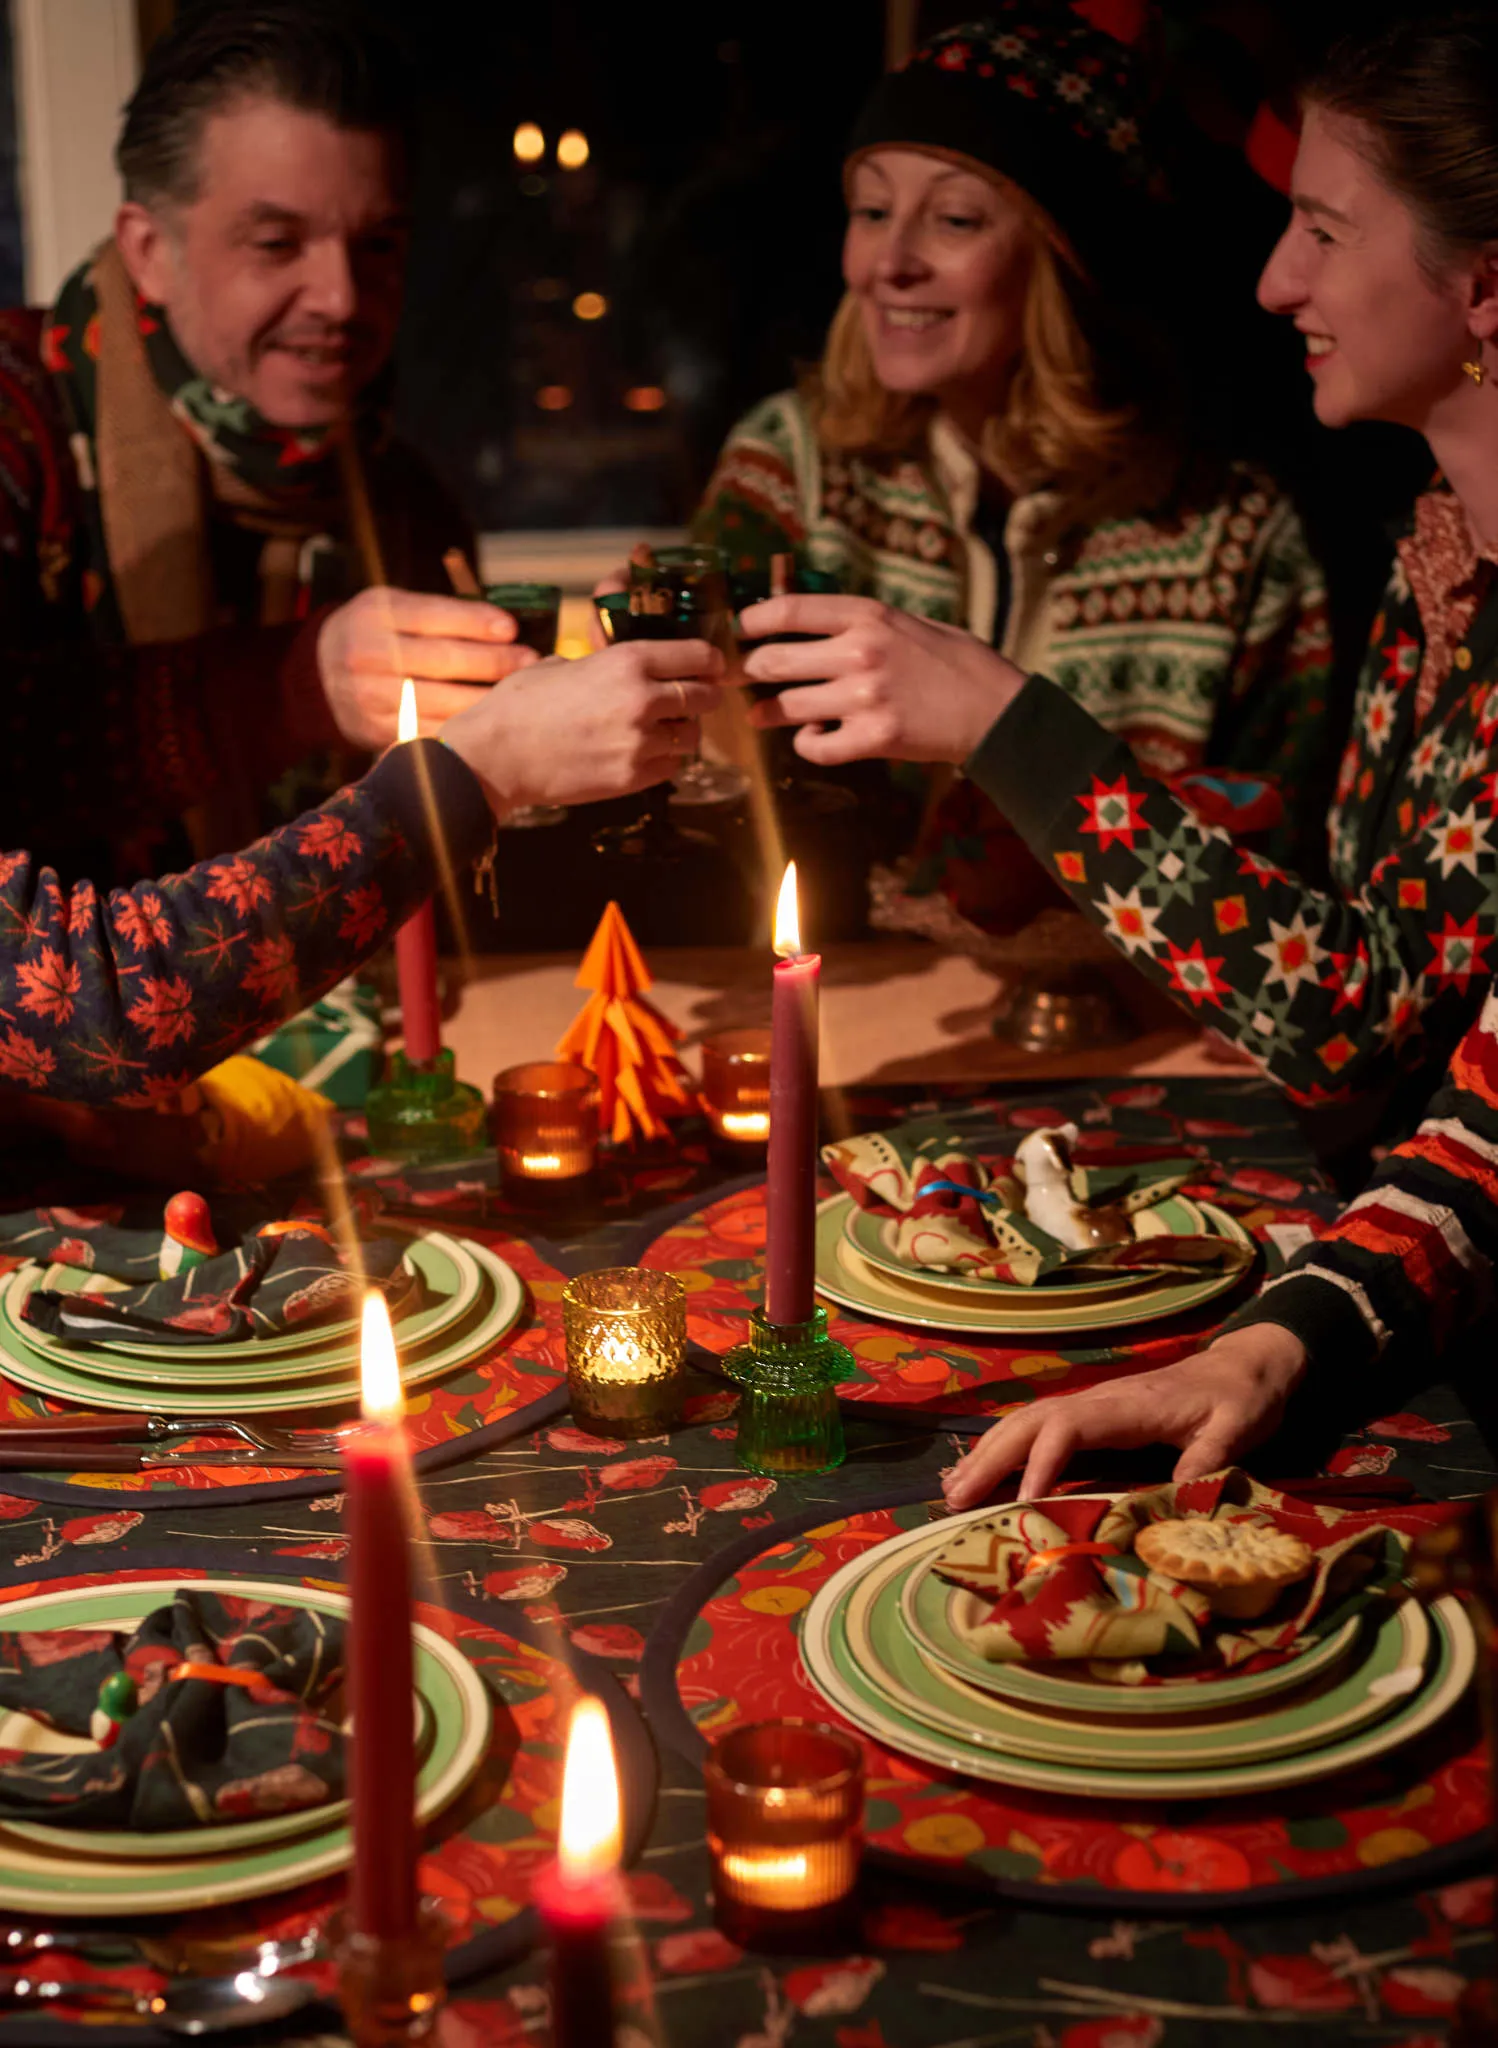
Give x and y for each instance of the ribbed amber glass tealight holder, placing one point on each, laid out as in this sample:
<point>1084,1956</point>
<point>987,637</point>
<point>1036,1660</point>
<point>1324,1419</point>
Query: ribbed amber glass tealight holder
<point>546,1124</point>
<point>785,1832</point>
<point>626,1349</point>
<point>736,1085</point>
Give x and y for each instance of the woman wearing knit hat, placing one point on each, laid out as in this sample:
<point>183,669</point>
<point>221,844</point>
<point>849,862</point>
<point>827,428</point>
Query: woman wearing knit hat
<point>990,439</point>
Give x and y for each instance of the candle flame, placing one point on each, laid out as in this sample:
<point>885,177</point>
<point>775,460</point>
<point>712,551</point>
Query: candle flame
<point>407,724</point>
<point>380,1397</point>
<point>788,917</point>
<point>588,1841</point>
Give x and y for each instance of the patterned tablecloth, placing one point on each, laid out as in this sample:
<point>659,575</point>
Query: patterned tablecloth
<point>588,1540</point>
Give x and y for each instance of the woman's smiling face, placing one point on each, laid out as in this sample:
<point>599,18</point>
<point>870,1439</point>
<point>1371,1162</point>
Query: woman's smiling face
<point>938,259</point>
<point>1385,334</point>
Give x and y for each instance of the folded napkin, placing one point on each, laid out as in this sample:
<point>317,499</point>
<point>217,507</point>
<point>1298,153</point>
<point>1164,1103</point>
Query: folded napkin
<point>1091,1599</point>
<point>962,1214</point>
<point>267,1285</point>
<point>196,1750</point>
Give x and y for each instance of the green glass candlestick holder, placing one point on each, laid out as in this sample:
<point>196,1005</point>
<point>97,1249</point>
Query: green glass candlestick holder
<point>789,1420</point>
<point>421,1110</point>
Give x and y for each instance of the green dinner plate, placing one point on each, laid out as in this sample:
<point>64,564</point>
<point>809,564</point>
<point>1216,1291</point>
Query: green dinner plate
<point>930,1608</point>
<point>868,1628</point>
<point>845,1276</point>
<point>70,1873</point>
<point>874,1237</point>
<point>838,1677</point>
<point>449,1273</point>
<point>501,1302</point>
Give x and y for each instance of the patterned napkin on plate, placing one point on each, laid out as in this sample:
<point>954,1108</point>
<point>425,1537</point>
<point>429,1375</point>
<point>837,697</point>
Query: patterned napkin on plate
<point>1065,1583</point>
<point>196,1750</point>
<point>962,1214</point>
<point>265,1287</point>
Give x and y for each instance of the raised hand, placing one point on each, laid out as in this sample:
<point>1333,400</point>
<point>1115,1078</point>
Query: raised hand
<point>904,688</point>
<point>446,645</point>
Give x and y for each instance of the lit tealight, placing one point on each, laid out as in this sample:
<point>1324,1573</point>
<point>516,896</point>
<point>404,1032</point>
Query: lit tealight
<point>407,723</point>
<point>529,144</point>
<point>588,1842</point>
<point>745,1123</point>
<point>572,149</point>
<point>788,917</point>
<point>380,1397</point>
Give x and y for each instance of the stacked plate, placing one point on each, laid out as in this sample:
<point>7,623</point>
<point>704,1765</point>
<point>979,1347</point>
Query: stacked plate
<point>88,1871</point>
<point>858,1269</point>
<point>468,1299</point>
<point>881,1643</point>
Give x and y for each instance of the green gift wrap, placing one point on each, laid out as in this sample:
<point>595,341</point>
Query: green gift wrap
<point>336,1046</point>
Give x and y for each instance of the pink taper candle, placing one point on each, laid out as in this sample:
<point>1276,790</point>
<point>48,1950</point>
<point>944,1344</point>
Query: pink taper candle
<point>791,1180</point>
<point>416,943</point>
<point>382,1888</point>
<point>579,1895</point>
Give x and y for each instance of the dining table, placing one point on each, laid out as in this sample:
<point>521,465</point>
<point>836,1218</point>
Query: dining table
<point>663,1575</point>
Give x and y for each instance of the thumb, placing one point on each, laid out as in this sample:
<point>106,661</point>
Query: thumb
<point>1209,1452</point>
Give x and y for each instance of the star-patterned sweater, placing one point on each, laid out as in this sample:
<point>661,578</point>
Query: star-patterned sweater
<point>1411,1260</point>
<point>125,997</point>
<point>1364,986</point>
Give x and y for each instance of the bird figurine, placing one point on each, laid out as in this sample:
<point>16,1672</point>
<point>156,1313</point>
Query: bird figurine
<point>1044,1163</point>
<point>189,1238</point>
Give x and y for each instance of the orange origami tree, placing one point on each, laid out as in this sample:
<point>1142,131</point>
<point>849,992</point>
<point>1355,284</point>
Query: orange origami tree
<point>626,1041</point>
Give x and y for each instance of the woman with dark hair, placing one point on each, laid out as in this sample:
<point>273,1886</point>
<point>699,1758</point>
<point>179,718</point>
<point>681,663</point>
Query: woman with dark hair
<point>993,438</point>
<point>1389,268</point>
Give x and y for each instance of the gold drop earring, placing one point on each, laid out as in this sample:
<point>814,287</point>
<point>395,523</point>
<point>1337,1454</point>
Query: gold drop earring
<point>1476,370</point>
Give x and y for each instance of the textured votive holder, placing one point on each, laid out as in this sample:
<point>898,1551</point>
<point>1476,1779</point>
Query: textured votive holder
<point>736,1085</point>
<point>545,1121</point>
<point>788,1417</point>
<point>785,1832</point>
<point>626,1349</point>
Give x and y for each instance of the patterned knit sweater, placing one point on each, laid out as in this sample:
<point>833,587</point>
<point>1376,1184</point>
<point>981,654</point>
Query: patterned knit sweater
<point>1372,982</point>
<point>1195,631</point>
<point>125,998</point>
<point>1411,1260</point>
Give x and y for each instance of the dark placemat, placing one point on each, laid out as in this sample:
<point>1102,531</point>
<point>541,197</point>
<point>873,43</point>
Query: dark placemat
<point>726,1651</point>
<point>520,1382</point>
<point>481,1855</point>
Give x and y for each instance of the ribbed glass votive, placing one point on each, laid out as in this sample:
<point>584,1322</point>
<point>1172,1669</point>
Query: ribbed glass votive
<point>626,1349</point>
<point>785,1832</point>
<point>546,1122</point>
<point>736,1085</point>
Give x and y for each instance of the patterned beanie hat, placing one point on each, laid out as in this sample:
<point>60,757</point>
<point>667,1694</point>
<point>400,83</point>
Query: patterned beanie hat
<point>1033,92</point>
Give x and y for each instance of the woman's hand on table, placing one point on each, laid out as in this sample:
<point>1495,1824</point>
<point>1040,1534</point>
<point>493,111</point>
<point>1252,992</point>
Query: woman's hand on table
<point>446,645</point>
<point>1213,1406</point>
<point>572,732</point>
<point>905,689</point>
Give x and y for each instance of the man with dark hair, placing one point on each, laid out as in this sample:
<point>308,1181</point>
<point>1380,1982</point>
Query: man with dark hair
<point>176,555</point>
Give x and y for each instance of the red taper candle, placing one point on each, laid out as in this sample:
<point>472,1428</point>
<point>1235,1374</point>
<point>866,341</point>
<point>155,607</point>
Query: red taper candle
<point>382,1889</point>
<point>416,943</point>
<point>791,1176</point>
<point>579,1895</point>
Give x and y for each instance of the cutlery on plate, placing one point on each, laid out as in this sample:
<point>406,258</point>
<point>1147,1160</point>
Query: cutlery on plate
<point>118,1427</point>
<point>172,1955</point>
<point>185,2005</point>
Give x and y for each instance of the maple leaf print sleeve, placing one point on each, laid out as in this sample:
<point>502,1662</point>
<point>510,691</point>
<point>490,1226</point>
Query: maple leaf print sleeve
<point>1412,1259</point>
<point>123,997</point>
<point>1330,993</point>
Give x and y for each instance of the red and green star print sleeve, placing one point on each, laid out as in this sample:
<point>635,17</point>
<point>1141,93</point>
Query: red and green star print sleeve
<point>125,997</point>
<point>1411,1260</point>
<point>1331,994</point>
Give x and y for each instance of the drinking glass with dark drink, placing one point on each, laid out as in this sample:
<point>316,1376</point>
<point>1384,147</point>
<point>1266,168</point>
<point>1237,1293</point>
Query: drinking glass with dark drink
<point>535,608</point>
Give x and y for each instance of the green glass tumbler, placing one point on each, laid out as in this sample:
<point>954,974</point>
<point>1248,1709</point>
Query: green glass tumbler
<point>535,608</point>
<point>788,1418</point>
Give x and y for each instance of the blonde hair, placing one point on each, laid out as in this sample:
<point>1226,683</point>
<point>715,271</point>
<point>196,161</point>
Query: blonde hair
<point>1056,425</point>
